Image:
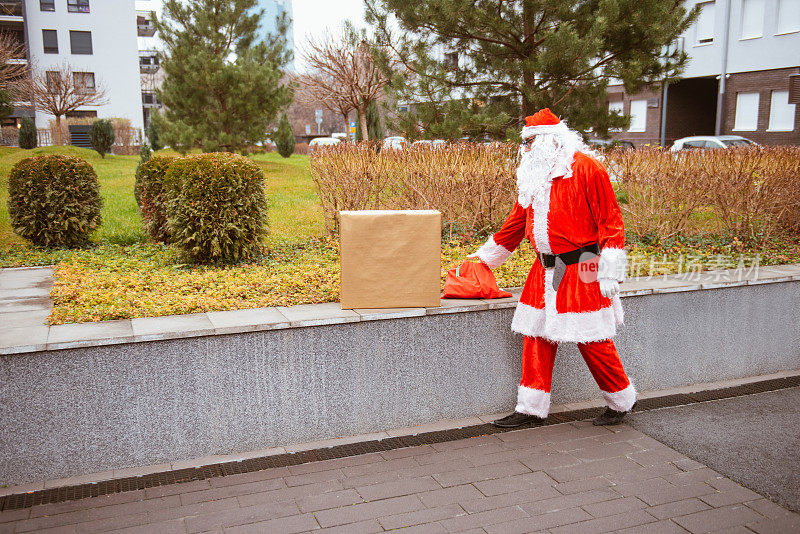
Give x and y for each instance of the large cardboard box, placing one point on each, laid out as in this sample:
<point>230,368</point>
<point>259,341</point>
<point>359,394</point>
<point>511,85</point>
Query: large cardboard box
<point>390,259</point>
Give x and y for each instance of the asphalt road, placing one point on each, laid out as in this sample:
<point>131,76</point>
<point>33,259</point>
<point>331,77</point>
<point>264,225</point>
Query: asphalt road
<point>755,439</point>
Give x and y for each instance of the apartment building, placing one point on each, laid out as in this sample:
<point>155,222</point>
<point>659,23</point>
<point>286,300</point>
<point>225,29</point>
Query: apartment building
<point>742,78</point>
<point>96,38</point>
<point>150,73</point>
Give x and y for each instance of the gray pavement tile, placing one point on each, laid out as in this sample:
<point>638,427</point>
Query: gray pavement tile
<point>232,491</point>
<point>522,482</point>
<point>380,467</point>
<point>769,509</point>
<point>678,508</point>
<point>717,518</point>
<point>397,488</point>
<point>420,517</point>
<point>590,469</point>
<point>135,507</point>
<point>543,461</point>
<point>475,474</point>
<point>452,495</point>
<point>176,489</point>
<point>114,523</point>
<point>171,327</point>
<point>84,504</point>
<point>606,524</point>
<point>540,522</point>
<point>190,509</point>
<point>313,477</point>
<point>659,527</point>
<point>691,477</point>
<point>370,526</point>
<point>727,497</point>
<point>232,517</point>
<point>325,501</point>
<point>617,506</point>
<point>26,305</point>
<point>25,277</point>
<point>23,339</point>
<point>483,519</point>
<point>336,463</point>
<point>598,451</point>
<point>643,473</point>
<point>26,293</point>
<point>246,478</point>
<point>407,452</point>
<point>250,320</point>
<point>59,520</point>
<point>509,499</point>
<point>24,319</point>
<point>578,486</point>
<point>570,501</point>
<point>66,336</point>
<point>318,314</point>
<point>286,525</point>
<point>789,523</point>
<point>371,510</point>
<point>463,443</point>
<point>15,515</point>
<point>289,494</point>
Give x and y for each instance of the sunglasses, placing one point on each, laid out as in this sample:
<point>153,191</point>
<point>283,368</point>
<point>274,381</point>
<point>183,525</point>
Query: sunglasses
<point>528,142</point>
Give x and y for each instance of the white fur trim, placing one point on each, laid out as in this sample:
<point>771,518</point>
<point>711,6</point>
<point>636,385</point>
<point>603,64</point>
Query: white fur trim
<point>555,129</point>
<point>533,402</point>
<point>493,254</point>
<point>621,401</point>
<point>578,327</point>
<point>540,213</point>
<point>613,264</point>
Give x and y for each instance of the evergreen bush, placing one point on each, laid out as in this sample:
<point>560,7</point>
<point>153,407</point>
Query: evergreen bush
<point>216,209</point>
<point>101,134</point>
<point>28,137</point>
<point>153,134</point>
<point>54,200</point>
<point>284,137</point>
<point>149,193</point>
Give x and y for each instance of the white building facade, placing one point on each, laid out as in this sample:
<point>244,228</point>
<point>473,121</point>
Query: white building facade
<point>97,38</point>
<point>742,78</point>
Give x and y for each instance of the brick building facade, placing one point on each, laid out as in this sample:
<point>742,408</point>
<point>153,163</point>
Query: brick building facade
<point>755,45</point>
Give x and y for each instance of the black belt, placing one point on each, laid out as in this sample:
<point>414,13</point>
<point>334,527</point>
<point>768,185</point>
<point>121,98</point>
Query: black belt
<point>573,256</point>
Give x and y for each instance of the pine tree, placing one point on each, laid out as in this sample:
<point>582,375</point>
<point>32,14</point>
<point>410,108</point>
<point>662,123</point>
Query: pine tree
<point>506,60</point>
<point>284,137</point>
<point>28,137</point>
<point>223,86</point>
<point>374,125</point>
<point>153,134</point>
<point>101,134</point>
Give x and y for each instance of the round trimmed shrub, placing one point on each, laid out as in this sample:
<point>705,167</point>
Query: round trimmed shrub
<point>54,200</point>
<point>149,193</point>
<point>217,209</point>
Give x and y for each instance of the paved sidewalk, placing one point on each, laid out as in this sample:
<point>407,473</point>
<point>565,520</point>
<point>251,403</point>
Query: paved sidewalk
<point>560,479</point>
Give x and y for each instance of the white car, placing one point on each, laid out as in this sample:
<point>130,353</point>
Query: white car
<point>427,143</point>
<point>320,142</point>
<point>394,143</point>
<point>710,141</point>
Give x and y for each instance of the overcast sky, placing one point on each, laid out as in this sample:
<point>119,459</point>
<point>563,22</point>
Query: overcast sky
<point>315,17</point>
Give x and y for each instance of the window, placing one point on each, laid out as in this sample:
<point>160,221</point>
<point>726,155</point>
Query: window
<point>705,23</point>
<point>781,112</point>
<point>638,116</point>
<point>788,16</point>
<point>53,79</point>
<point>47,5</point>
<point>78,6</point>
<point>746,119</point>
<point>84,82</point>
<point>81,42</point>
<point>616,107</point>
<point>50,40</point>
<point>752,19</point>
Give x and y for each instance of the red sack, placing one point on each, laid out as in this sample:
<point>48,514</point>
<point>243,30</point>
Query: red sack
<point>472,280</point>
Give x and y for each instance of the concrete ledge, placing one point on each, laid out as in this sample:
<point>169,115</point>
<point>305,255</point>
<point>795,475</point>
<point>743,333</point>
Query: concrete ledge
<point>17,339</point>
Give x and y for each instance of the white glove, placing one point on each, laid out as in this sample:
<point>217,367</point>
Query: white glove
<point>608,287</point>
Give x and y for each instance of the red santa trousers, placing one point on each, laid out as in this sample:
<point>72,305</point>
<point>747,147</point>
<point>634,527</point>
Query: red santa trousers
<point>538,356</point>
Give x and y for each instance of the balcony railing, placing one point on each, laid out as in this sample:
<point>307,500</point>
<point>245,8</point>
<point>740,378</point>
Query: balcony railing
<point>148,61</point>
<point>10,8</point>
<point>149,100</point>
<point>144,25</point>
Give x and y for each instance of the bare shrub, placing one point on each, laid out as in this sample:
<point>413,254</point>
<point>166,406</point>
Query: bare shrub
<point>301,148</point>
<point>473,185</point>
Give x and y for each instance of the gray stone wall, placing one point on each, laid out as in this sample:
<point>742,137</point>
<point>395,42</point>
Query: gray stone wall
<point>84,410</point>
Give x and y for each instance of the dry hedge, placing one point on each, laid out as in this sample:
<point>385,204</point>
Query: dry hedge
<point>748,192</point>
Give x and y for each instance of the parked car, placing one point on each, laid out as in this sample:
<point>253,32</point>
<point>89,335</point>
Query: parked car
<point>320,142</point>
<point>394,143</point>
<point>427,143</point>
<point>603,144</point>
<point>710,141</point>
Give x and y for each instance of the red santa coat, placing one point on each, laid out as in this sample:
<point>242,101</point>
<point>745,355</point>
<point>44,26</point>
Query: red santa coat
<point>576,211</point>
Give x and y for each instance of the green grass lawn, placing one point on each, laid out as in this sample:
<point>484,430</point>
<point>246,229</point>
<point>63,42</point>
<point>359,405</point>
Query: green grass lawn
<point>294,213</point>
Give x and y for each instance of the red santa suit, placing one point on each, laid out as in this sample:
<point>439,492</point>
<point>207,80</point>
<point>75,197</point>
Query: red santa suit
<point>573,208</point>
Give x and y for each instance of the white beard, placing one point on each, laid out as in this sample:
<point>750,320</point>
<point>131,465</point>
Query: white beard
<point>550,157</point>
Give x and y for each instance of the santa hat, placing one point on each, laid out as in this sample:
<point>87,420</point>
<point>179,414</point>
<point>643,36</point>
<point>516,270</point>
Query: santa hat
<point>543,121</point>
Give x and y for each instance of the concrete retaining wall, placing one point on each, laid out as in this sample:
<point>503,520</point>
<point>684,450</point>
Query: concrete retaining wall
<point>91,409</point>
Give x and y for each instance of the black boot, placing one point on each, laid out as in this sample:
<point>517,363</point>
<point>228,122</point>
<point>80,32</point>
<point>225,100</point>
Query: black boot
<point>518,419</point>
<point>611,417</point>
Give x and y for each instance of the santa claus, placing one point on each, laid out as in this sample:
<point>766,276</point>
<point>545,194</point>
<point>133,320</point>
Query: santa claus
<point>566,207</point>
